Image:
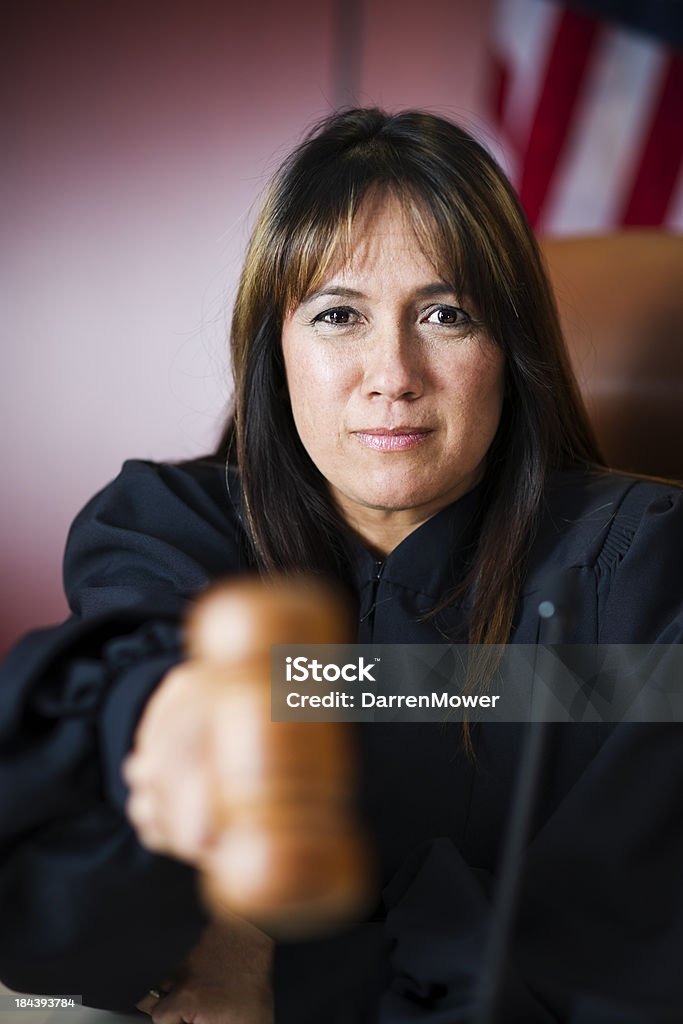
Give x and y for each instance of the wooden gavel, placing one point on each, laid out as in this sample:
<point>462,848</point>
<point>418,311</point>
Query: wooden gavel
<point>288,853</point>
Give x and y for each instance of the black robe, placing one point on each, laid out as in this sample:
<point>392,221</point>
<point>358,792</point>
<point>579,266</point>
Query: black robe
<point>84,909</point>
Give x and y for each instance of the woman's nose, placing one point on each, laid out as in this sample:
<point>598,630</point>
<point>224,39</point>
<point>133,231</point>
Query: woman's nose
<point>393,367</point>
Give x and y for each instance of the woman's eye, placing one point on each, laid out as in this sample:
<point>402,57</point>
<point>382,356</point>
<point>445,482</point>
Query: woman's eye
<point>447,316</point>
<point>340,316</point>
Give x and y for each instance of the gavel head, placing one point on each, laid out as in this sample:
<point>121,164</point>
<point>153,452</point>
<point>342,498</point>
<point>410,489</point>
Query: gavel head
<point>242,619</point>
<point>288,853</point>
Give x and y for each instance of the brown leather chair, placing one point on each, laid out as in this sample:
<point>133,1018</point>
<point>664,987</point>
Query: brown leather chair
<point>620,298</point>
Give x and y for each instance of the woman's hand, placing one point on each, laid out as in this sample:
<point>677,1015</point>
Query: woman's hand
<point>226,979</point>
<point>205,742</point>
<point>170,772</point>
<point>263,809</point>
<point>173,776</point>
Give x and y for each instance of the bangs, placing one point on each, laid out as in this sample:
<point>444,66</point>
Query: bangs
<point>323,241</point>
<point>456,201</point>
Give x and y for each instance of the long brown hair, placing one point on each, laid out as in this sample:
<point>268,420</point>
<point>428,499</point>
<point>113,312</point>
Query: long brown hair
<point>472,227</point>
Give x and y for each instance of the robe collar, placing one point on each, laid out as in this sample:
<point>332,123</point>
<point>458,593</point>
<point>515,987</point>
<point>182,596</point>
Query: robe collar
<point>431,559</point>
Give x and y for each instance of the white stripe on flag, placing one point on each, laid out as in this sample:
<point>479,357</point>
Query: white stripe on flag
<point>606,135</point>
<point>523,33</point>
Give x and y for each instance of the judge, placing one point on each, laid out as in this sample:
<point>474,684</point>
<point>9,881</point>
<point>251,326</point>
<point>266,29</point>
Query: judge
<point>406,423</point>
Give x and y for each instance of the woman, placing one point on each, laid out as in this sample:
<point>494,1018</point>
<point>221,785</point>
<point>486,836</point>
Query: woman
<point>406,422</point>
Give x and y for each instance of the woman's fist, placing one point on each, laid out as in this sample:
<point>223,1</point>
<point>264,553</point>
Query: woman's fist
<point>262,808</point>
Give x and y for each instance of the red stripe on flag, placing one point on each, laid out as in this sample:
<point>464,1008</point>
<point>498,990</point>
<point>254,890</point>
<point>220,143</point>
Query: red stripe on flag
<point>657,170</point>
<point>564,74</point>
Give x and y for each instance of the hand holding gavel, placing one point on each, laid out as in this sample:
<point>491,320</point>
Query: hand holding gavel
<point>263,809</point>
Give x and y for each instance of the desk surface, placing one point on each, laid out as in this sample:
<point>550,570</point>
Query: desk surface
<point>74,1015</point>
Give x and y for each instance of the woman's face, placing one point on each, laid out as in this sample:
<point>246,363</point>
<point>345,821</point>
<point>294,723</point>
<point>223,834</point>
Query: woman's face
<point>396,392</point>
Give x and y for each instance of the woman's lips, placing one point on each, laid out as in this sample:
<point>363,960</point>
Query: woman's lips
<point>400,439</point>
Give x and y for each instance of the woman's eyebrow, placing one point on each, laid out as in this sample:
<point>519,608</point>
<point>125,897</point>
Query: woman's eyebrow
<point>336,290</point>
<point>429,291</point>
<point>339,291</point>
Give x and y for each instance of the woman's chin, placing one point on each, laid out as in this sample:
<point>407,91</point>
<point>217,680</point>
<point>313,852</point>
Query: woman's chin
<point>388,500</point>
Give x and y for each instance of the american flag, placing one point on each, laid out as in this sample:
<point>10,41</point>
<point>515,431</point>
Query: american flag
<point>588,117</point>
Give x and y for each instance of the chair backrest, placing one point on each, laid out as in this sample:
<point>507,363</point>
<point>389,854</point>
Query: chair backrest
<point>620,298</point>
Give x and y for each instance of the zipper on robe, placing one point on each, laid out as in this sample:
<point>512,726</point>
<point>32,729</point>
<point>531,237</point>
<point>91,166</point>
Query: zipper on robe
<point>369,617</point>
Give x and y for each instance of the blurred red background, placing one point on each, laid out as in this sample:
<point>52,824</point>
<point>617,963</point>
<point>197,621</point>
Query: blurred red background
<point>136,138</point>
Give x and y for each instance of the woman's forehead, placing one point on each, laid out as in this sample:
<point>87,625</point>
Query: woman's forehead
<point>382,236</point>
<point>381,230</point>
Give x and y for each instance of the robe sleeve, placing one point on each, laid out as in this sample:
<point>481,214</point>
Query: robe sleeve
<point>85,909</point>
